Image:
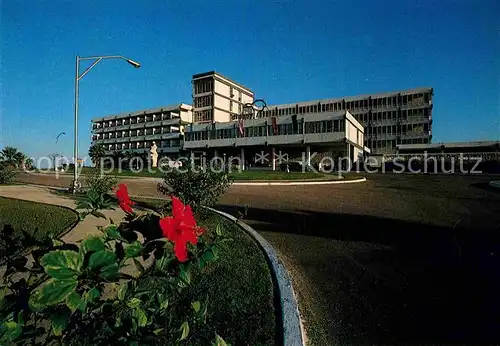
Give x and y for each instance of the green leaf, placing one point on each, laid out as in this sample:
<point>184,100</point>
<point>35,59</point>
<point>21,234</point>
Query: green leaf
<point>12,330</point>
<point>133,250</point>
<point>56,260</point>
<point>110,271</point>
<point>164,304</point>
<point>219,341</point>
<point>140,316</point>
<point>92,244</point>
<point>62,273</point>
<point>208,256</point>
<point>134,302</point>
<point>164,261</point>
<point>91,295</point>
<point>185,274</point>
<point>158,331</point>
<point>139,266</point>
<point>59,321</point>
<point>218,230</point>
<point>20,317</point>
<point>133,343</point>
<point>98,213</point>
<point>52,292</point>
<point>184,329</point>
<point>101,258</point>
<point>75,302</point>
<point>196,306</point>
<point>122,292</point>
<point>112,232</point>
<point>215,250</point>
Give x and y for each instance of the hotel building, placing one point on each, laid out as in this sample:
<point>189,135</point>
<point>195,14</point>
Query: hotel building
<point>223,121</point>
<point>136,131</point>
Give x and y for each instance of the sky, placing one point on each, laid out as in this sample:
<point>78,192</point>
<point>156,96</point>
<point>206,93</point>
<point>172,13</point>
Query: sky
<point>285,51</point>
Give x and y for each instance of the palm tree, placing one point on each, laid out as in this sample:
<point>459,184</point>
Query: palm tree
<point>28,163</point>
<point>11,157</point>
<point>128,155</point>
<point>96,153</point>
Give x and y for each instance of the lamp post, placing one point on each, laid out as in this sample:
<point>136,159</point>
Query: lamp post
<point>79,76</point>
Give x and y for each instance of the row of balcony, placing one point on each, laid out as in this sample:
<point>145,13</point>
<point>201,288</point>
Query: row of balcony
<point>392,121</point>
<point>159,136</point>
<point>389,136</point>
<point>337,107</point>
<point>143,150</point>
<point>158,123</point>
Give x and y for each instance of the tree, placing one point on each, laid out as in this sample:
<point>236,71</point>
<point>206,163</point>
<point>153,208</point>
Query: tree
<point>116,156</point>
<point>96,153</point>
<point>12,157</point>
<point>128,155</point>
<point>28,163</point>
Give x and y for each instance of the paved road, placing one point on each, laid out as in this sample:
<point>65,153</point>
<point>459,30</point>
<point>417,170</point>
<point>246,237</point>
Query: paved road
<point>398,259</point>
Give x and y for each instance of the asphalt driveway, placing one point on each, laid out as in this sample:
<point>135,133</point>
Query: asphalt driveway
<point>399,259</point>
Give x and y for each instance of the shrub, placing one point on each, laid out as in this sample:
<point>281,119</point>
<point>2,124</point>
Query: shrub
<point>83,295</point>
<point>196,186</point>
<point>7,173</point>
<point>100,183</point>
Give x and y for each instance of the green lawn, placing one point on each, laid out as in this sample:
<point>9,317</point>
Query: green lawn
<point>37,219</point>
<point>240,288</point>
<point>244,175</point>
<point>275,175</point>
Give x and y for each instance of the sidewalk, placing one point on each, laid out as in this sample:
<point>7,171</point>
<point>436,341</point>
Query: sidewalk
<point>85,227</point>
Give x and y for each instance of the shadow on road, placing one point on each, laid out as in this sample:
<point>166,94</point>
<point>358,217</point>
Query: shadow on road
<point>390,281</point>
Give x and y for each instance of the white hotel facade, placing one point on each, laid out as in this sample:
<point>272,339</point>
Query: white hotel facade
<point>223,121</point>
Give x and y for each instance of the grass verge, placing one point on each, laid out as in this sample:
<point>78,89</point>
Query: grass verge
<point>240,288</point>
<point>38,219</point>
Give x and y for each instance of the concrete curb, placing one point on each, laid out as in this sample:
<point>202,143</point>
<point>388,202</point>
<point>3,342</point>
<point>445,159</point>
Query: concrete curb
<point>293,332</point>
<point>495,183</point>
<point>300,183</point>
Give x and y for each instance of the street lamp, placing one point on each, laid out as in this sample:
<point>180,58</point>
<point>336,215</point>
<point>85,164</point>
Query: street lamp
<point>79,76</point>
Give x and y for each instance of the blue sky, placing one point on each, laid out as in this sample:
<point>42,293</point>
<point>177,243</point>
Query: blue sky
<point>285,51</point>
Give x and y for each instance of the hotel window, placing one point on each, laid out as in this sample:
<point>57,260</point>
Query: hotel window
<point>203,116</point>
<point>336,127</point>
<point>328,126</point>
<point>203,86</point>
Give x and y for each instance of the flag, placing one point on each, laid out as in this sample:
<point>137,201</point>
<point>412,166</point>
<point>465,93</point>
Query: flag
<point>240,125</point>
<point>295,124</point>
<point>275,126</point>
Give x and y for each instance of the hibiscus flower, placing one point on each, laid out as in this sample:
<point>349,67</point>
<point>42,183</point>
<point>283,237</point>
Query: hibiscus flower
<point>181,228</point>
<point>124,199</point>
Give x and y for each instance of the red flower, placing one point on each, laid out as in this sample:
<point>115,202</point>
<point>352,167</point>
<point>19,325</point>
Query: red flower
<point>123,199</point>
<point>181,228</point>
